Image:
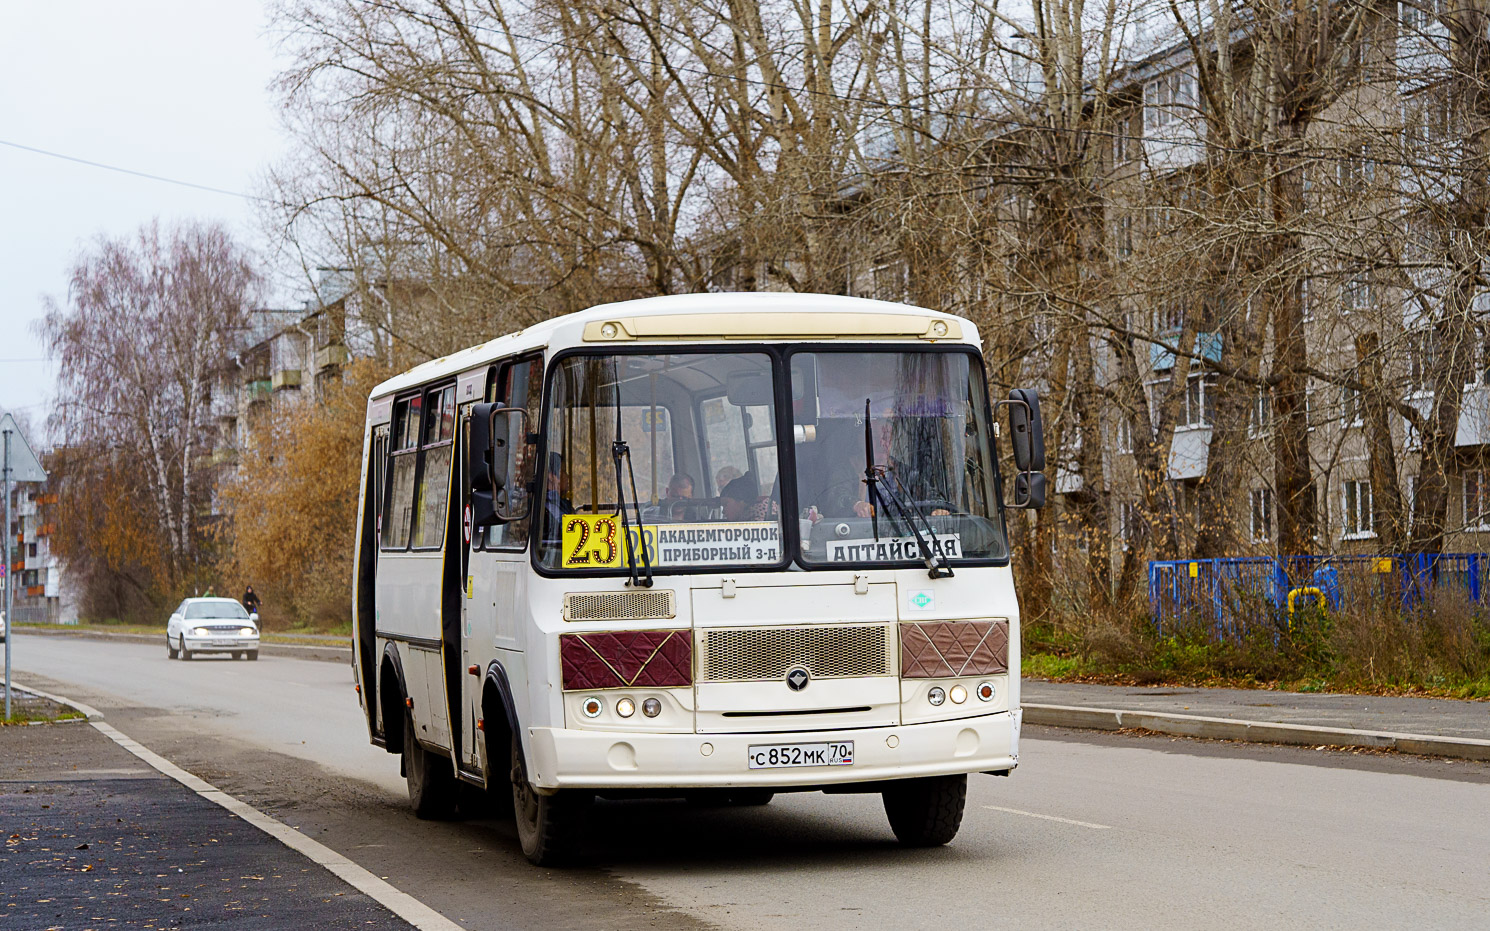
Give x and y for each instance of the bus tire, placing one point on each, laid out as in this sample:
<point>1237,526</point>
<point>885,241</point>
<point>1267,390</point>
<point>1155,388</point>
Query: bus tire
<point>926,812</point>
<point>430,779</point>
<point>548,826</point>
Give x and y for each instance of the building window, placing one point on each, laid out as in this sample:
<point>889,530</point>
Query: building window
<point>1121,141</point>
<point>1124,432</point>
<point>1199,406</point>
<point>1123,236</point>
<point>1421,357</point>
<point>1357,294</point>
<point>1260,422</point>
<point>1410,502</point>
<point>1350,407</point>
<point>1127,523</point>
<point>1358,519</point>
<point>1305,304</point>
<point>1420,14</point>
<point>1262,515</point>
<point>1355,171</point>
<point>1476,501</point>
<point>1167,99</point>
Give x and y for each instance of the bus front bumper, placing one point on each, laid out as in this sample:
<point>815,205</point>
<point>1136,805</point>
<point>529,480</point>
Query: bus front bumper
<point>565,758</point>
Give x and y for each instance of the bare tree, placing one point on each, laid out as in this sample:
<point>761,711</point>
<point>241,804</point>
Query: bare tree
<point>148,321</point>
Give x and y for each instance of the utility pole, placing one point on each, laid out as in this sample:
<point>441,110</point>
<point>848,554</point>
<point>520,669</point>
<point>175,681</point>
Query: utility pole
<point>20,464</point>
<point>10,583</point>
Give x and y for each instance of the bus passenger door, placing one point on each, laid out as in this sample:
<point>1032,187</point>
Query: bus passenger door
<point>497,565</point>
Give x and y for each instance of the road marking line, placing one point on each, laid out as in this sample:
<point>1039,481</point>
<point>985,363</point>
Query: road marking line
<point>1031,814</point>
<point>381,891</point>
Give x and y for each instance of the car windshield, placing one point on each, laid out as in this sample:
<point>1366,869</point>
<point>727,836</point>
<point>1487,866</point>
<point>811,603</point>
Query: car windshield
<point>928,432</point>
<point>701,431</point>
<point>226,609</point>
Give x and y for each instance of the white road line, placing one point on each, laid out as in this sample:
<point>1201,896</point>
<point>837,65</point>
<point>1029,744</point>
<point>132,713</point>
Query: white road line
<point>1031,814</point>
<point>400,903</point>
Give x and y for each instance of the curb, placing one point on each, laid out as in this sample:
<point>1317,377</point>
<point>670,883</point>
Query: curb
<point>398,902</point>
<point>1189,725</point>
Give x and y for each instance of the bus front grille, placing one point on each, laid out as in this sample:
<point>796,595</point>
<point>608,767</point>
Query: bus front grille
<point>618,606</point>
<point>763,653</point>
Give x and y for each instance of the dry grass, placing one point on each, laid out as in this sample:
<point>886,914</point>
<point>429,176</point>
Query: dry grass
<point>1370,644</point>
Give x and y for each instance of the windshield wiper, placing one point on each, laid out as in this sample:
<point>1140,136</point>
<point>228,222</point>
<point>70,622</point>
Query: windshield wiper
<point>909,511</point>
<point>874,477</point>
<point>619,449</point>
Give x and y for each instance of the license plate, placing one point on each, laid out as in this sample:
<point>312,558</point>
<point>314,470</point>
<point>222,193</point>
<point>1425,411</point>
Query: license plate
<point>776,756</point>
<point>223,643</point>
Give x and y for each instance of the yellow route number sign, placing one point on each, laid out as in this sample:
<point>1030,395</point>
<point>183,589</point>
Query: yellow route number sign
<point>598,541</point>
<point>593,541</point>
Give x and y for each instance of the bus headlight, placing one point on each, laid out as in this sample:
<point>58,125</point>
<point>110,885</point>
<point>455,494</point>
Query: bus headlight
<point>985,691</point>
<point>936,696</point>
<point>958,694</point>
<point>651,707</point>
<point>625,707</point>
<point>591,707</point>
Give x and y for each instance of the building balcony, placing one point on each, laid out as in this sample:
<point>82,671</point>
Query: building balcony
<point>257,390</point>
<point>333,355</point>
<point>286,378</point>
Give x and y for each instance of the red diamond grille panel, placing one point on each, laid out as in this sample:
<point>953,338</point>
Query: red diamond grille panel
<point>945,649</point>
<point>626,659</point>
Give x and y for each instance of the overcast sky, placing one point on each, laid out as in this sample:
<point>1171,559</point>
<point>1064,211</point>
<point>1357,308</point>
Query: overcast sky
<point>171,88</point>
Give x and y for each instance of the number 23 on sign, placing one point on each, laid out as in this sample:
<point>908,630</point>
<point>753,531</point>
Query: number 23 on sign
<point>596,541</point>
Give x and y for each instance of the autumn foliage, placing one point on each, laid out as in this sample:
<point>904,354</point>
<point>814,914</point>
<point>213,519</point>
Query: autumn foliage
<point>293,504</point>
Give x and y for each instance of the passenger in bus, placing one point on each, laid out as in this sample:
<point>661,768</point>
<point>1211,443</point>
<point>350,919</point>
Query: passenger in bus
<point>555,504</point>
<point>742,500</point>
<point>724,476</point>
<point>677,503</point>
<point>680,486</point>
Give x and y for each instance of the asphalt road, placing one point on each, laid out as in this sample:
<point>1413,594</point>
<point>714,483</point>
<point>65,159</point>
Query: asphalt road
<point>1092,830</point>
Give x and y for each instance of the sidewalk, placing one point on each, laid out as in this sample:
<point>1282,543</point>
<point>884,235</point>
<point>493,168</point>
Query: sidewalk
<point>95,838</point>
<point>1436,726</point>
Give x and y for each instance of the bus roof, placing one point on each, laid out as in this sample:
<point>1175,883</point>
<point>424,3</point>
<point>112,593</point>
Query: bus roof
<point>706,316</point>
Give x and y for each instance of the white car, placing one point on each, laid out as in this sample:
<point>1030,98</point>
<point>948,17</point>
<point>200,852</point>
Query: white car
<point>212,625</point>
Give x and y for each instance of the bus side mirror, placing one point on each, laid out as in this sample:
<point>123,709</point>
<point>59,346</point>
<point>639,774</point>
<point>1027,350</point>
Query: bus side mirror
<point>1029,490</point>
<point>479,466</point>
<point>509,454</point>
<point>1026,431</point>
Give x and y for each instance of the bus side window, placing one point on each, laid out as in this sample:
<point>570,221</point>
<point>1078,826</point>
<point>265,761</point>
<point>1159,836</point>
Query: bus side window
<point>438,450</point>
<point>520,385</point>
<point>403,466</point>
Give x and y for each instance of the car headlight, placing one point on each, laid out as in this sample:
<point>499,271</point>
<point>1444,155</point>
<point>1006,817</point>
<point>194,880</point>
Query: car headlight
<point>201,632</point>
<point>247,631</point>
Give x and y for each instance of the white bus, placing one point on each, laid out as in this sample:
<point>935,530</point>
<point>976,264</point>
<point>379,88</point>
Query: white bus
<point>715,546</point>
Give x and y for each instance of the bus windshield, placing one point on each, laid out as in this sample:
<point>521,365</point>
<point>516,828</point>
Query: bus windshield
<point>700,428</point>
<point>927,429</point>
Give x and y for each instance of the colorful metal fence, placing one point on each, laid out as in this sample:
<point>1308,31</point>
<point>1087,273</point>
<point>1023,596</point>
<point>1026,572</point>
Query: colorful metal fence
<point>1236,595</point>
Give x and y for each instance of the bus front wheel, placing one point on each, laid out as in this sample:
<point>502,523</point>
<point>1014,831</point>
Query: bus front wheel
<point>548,826</point>
<point>430,779</point>
<point>926,812</point>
